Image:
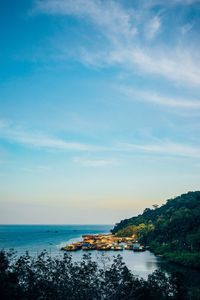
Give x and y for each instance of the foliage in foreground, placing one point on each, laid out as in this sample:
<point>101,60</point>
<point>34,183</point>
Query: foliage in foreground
<point>26,278</point>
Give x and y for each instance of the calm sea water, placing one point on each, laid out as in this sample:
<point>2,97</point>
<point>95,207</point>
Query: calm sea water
<point>35,238</point>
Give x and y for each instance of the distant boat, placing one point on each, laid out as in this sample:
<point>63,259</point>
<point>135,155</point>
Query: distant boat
<point>138,248</point>
<point>88,246</point>
<point>128,247</point>
<point>117,248</point>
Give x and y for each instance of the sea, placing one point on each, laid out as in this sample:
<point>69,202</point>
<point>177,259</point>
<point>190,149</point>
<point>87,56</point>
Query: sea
<point>36,238</point>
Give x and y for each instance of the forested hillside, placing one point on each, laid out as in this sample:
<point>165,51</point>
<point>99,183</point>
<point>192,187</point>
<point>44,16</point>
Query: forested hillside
<point>172,230</point>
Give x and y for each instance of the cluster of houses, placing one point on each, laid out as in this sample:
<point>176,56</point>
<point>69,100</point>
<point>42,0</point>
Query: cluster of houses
<point>105,242</point>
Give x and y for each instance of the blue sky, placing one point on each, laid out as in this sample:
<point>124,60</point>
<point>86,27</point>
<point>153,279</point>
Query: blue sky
<point>99,108</point>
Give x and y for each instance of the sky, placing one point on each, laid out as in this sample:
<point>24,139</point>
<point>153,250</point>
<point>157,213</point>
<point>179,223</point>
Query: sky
<point>99,108</point>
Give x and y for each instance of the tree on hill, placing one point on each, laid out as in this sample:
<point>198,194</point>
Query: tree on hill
<point>172,229</point>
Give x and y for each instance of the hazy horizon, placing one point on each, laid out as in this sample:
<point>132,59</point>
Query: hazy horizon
<point>99,108</point>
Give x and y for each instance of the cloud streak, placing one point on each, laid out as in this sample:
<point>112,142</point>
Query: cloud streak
<point>90,162</point>
<point>108,16</point>
<point>153,27</point>
<point>163,148</point>
<point>122,29</point>
<point>155,98</point>
<point>172,3</point>
<point>40,140</point>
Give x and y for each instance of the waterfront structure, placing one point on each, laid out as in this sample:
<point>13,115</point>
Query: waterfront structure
<point>105,242</point>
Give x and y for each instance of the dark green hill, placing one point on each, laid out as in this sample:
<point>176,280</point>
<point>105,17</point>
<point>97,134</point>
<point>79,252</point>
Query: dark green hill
<point>172,230</point>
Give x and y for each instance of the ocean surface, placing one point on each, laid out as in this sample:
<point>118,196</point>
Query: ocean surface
<point>36,238</point>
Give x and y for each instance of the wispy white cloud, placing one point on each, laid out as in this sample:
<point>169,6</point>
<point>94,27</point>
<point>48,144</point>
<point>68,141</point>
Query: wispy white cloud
<point>37,169</point>
<point>91,162</point>
<point>172,3</point>
<point>153,27</point>
<point>164,147</point>
<point>41,140</point>
<point>121,27</point>
<point>107,15</point>
<point>154,97</point>
<point>186,28</point>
